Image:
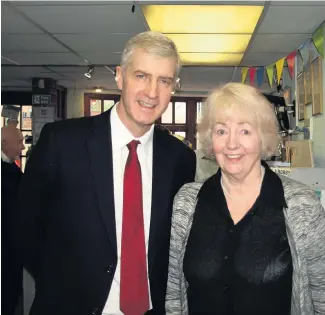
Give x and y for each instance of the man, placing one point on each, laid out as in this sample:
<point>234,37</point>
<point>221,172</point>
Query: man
<point>11,267</point>
<point>97,205</point>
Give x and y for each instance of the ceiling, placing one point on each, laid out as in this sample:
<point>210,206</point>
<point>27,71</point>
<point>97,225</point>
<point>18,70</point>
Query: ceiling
<point>60,39</point>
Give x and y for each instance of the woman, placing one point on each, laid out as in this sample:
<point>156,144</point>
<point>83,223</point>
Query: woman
<point>246,241</point>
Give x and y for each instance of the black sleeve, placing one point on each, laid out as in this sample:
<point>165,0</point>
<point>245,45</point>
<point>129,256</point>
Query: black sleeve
<point>34,197</point>
<point>188,166</point>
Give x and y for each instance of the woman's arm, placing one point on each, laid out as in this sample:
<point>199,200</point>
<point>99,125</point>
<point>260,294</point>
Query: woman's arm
<point>183,209</point>
<point>315,252</point>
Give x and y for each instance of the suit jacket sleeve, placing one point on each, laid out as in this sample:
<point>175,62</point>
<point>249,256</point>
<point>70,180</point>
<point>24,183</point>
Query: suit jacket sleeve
<point>35,192</point>
<point>188,166</point>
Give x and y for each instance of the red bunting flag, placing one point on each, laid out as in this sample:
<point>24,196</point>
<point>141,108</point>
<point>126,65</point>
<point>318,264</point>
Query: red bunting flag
<point>252,72</point>
<point>291,62</point>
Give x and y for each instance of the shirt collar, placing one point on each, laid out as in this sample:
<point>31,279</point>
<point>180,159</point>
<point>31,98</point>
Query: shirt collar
<point>121,136</point>
<point>5,158</point>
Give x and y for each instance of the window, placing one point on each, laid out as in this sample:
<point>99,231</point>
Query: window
<point>180,117</point>
<point>174,118</point>
<point>199,107</point>
<point>95,104</point>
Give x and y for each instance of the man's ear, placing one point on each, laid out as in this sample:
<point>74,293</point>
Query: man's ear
<point>3,143</point>
<point>119,77</point>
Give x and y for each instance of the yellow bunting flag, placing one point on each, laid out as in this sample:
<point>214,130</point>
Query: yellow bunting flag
<point>269,72</point>
<point>279,68</point>
<point>244,72</point>
<point>318,40</point>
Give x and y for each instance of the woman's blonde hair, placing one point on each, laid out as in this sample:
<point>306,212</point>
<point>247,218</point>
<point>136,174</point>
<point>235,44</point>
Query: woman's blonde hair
<point>243,102</point>
<point>155,43</point>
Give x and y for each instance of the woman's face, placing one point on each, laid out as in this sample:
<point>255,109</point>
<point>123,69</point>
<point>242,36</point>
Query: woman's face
<point>237,146</point>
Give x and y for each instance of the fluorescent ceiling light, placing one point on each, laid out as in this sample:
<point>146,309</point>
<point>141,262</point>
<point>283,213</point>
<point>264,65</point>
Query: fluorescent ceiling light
<point>219,43</point>
<point>211,59</point>
<point>227,19</point>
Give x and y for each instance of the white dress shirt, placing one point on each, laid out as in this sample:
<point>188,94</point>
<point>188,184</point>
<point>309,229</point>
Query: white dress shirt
<point>121,136</point>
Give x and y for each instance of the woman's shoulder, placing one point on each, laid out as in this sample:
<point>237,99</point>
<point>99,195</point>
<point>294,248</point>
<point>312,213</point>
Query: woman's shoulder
<point>189,191</point>
<point>295,191</point>
<point>301,199</point>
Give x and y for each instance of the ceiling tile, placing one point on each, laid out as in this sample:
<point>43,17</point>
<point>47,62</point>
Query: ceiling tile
<point>45,58</point>
<point>277,42</point>
<point>30,43</point>
<point>13,22</point>
<point>205,74</point>
<point>305,19</point>
<point>261,59</point>
<point>69,70</point>
<point>105,42</point>
<point>101,57</point>
<point>86,19</point>
<point>5,60</point>
<point>24,72</point>
<point>17,83</point>
<point>298,3</point>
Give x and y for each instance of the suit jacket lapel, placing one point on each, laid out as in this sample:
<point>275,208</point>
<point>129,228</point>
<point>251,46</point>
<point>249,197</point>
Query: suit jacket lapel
<point>161,189</point>
<point>100,152</point>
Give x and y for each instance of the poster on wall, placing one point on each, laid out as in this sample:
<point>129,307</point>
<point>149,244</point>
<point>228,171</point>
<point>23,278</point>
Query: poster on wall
<point>301,96</point>
<point>317,86</point>
<point>308,85</point>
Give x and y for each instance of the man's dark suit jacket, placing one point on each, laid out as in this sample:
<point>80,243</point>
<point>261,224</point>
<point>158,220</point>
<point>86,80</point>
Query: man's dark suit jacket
<point>11,266</point>
<point>68,219</point>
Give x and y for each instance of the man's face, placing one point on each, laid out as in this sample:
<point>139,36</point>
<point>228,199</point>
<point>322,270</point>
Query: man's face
<point>14,145</point>
<point>147,84</point>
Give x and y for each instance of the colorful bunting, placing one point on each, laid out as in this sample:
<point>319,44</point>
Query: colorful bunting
<point>279,69</point>
<point>252,72</point>
<point>304,53</point>
<point>318,40</point>
<point>269,72</point>
<point>244,72</point>
<point>291,62</point>
<point>260,76</point>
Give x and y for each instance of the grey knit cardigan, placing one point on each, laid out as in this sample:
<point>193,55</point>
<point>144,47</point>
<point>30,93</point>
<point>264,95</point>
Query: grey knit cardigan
<point>305,225</point>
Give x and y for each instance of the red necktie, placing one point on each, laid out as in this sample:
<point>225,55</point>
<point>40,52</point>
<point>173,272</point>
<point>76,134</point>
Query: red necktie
<point>134,295</point>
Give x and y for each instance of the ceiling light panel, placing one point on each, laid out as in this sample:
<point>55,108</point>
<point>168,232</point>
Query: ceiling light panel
<point>211,59</point>
<point>220,43</point>
<point>211,19</point>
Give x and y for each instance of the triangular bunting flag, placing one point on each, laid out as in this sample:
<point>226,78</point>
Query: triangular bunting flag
<point>318,40</point>
<point>269,72</point>
<point>291,63</point>
<point>244,74</point>
<point>304,53</point>
<point>279,69</point>
<point>260,76</point>
<point>252,75</point>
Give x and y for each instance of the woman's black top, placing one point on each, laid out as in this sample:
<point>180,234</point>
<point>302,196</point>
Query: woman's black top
<point>242,269</point>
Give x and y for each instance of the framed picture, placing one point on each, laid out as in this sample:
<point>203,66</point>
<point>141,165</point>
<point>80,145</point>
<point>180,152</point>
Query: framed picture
<point>317,86</point>
<point>301,96</point>
<point>308,85</point>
